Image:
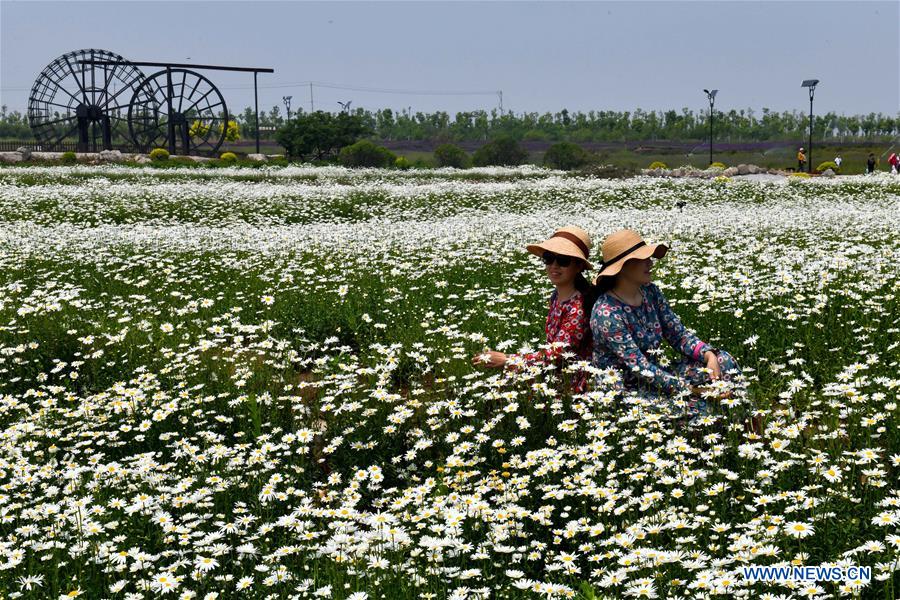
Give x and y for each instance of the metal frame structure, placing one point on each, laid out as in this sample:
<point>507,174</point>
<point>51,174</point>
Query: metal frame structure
<point>175,104</point>
<point>69,97</point>
<point>188,69</point>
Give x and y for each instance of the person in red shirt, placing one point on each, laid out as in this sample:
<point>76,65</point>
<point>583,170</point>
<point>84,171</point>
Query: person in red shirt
<point>565,256</point>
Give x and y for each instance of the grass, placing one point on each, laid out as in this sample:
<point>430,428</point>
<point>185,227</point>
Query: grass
<point>196,362</point>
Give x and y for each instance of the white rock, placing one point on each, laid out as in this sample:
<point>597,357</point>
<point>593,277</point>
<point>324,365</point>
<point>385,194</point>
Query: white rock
<point>142,159</point>
<point>752,169</point>
<point>11,157</point>
<point>828,173</point>
<point>112,156</point>
<point>258,157</point>
<point>730,172</point>
<point>25,152</point>
<point>743,170</point>
<point>47,155</point>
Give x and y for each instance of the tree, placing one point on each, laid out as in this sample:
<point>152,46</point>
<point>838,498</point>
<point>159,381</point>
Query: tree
<point>503,151</point>
<point>366,154</point>
<point>320,135</point>
<point>232,132</point>
<point>566,156</point>
<point>448,155</point>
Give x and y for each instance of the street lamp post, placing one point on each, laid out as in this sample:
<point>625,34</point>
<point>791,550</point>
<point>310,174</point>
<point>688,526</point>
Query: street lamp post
<point>811,84</point>
<point>711,96</point>
<point>287,105</point>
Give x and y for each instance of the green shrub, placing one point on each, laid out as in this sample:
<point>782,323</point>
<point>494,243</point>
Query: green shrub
<point>366,154</point>
<point>566,156</point>
<point>159,154</point>
<point>68,158</point>
<point>718,165</point>
<point>448,155</point>
<point>319,135</point>
<point>228,157</point>
<point>657,165</point>
<point>828,165</point>
<point>401,162</point>
<point>503,151</point>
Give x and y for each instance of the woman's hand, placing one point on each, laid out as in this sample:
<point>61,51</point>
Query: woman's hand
<point>712,363</point>
<point>709,392</point>
<point>489,358</point>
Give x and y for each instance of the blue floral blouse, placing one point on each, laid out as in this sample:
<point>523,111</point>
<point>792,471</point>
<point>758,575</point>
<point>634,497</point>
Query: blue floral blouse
<point>628,338</point>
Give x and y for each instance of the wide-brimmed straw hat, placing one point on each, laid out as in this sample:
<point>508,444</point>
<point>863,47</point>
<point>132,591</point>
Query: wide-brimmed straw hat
<point>568,241</point>
<point>624,245</point>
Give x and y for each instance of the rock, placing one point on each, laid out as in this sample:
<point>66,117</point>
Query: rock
<point>11,157</point>
<point>142,159</point>
<point>828,173</point>
<point>111,156</point>
<point>730,172</point>
<point>47,155</point>
<point>275,155</point>
<point>200,159</point>
<point>258,157</point>
<point>743,170</point>
<point>25,152</point>
<point>753,169</point>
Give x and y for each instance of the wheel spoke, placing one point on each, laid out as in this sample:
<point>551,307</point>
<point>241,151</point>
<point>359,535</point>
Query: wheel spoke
<point>79,83</point>
<point>64,136</point>
<point>202,98</point>
<point>181,97</point>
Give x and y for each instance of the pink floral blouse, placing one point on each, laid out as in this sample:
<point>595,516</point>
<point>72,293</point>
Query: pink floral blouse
<point>567,322</point>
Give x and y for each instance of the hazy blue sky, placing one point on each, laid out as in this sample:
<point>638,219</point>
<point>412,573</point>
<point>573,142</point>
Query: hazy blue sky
<point>544,56</point>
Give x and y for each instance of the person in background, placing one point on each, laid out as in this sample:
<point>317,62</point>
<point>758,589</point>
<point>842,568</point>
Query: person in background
<point>894,161</point>
<point>565,256</point>
<point>838,160</point>
<point>870,163</point>
<point>801,159</point>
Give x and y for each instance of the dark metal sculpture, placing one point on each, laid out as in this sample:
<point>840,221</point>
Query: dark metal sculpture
<point>96,94</point>
<point>85,93</point>
<point>177,108</point>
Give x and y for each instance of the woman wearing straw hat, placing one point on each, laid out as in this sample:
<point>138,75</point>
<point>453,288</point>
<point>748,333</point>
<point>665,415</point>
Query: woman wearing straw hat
<point>565,256</point>
<point>632,317</point>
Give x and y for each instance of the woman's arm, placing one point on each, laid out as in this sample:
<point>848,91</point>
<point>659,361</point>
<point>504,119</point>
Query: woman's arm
<point>674,331</point>
<point>609,329</point>
<point>573,324</point>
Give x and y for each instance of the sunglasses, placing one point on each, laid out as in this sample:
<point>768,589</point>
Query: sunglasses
<point>562,260</point>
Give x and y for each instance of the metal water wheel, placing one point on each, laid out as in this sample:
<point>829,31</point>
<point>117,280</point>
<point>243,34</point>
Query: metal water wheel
<point>73,97</point>
<point>178,109</point>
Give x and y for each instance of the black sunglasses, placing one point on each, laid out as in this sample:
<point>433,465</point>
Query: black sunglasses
<point>561,259</point>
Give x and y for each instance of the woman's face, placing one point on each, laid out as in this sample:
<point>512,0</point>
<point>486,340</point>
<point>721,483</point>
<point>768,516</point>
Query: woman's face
<point>564,276</point>
<point>638,271</point>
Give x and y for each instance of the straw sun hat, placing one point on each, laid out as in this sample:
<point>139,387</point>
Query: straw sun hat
<point>624,245</point>
<point>568,241</point>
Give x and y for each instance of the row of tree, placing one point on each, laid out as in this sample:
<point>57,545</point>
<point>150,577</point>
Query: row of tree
<point>604,126</point>
<point>592,126</point>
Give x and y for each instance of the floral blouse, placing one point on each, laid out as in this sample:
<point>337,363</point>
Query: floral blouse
<point>628,338</point>
<point>567,322</point>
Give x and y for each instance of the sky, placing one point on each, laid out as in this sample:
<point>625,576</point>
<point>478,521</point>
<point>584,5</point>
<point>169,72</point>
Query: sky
<point>543,56</point>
